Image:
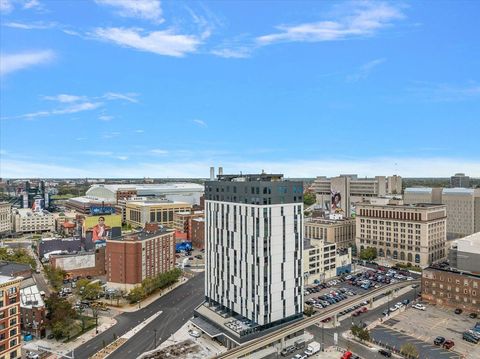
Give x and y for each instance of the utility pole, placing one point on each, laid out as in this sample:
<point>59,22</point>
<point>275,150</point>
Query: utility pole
<point>323,342</point>
<point>155,340</point>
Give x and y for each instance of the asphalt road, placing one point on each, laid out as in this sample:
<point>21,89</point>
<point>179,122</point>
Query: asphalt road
<point>177,307</point>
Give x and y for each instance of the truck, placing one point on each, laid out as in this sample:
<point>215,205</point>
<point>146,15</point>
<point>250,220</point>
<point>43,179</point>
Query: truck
<point>312,348</point>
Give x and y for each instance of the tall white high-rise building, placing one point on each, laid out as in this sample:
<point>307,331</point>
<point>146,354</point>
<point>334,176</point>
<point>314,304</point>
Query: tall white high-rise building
<point>254,250</point>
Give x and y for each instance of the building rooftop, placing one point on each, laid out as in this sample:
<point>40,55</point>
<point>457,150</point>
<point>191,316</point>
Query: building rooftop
<point>27,212</point>
<point>11,268</point>
<point>90,199</point>
<point>459,190</point>
<point>418,190</point>
<point>155,202</point>
<point>470,244</point>
<point>453,270</point>
<point>141,236</point>
<point>5,279</point>
<point>405,206</point>
<point>30,297</point>
<point>261,177</point>
<point>151,187</point>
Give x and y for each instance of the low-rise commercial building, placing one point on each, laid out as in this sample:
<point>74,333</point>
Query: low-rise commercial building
<point>403,233</point>
<point>341,231</point>
<point>91,205</point>
<point>27,221</point>
<point>32,311</point>
<point>182,220</point>
<point>132,258</point>
<point>140,212</point>
<point>197,230</point>
<point>322,261</point>
<point>452,288</point>
<point>82,263</point>
<point>10,341</point>
<point>5,218</point>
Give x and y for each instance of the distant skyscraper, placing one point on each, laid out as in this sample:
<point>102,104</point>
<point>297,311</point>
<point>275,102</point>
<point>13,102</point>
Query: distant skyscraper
<point>460,180</point>
<point>254,246</point>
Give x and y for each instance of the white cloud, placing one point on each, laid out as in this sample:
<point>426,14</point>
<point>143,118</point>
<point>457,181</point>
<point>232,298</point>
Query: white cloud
<point>14,62</point>
<point>443,92</point>
<point>238,53</point>
<point>97,153</point>
<point>74,108</point>
<point>105,118</point>
<point>122,158</point>
<point>200,123</point>
<point>366,20</point>
<point>6,6</point>
<point>139,131</point>
<point>157,151</point>
<point>143,9</point>
<point>365,70</point>
<point>130,97</point>
<point>164,42</point>
<point>32,4</point>
<point>64,98</point>
<point>32,26</point>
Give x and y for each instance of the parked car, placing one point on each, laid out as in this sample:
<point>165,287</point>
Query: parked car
<point>419,306</point>
<point>194,333</point>
<point>385,353</point>
<point>470,338</point>
<point>439,340</point>
<point>473,315</point>
<point>458,311</point>
<point>448,344</point>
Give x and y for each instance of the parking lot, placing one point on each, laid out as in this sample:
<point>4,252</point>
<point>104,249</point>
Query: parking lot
<point>422,327</point>
<point>323,295</point>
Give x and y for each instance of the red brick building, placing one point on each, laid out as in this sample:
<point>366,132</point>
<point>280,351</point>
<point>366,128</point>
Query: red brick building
<point>197,236</point>
<point>451,288</point>
<point>134,257</point>
<point>10,341</point>
<point>32,311</point>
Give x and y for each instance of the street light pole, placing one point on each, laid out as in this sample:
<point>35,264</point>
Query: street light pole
<point>323,342</point>
<point>155,341</point>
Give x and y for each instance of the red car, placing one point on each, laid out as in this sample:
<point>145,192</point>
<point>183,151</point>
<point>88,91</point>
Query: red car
<point>448,344</point>
<point>363,310</point>
<point>356,314</point>
<point>326,320</point>
<point>346,355</point>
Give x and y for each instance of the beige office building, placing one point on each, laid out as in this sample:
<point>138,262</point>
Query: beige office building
<point>341,231</point>
<point>138,213</point>
<point>5,217</point>
<point>27,221</point>
<point>322,261</point>
<point>403,233</point>
<point>350,190</point>
<point>463,207</point>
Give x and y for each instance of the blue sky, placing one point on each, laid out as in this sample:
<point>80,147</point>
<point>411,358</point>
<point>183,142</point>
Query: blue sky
<point>123,88</point>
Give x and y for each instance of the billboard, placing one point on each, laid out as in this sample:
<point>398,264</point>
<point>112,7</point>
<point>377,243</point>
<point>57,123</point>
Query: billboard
<point>100,227</point>
<point>97,210</point>
<point>336,203</point>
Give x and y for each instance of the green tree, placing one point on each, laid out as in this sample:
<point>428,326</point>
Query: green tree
<point>368,254</point>
<point>309,311</point>
<point>409,350</point>
<point>136,294</point>
<point>62,315</point>
<point>360,333</point>
<point>55,276</point>
<point>17,255</point>
<point>309,198</point>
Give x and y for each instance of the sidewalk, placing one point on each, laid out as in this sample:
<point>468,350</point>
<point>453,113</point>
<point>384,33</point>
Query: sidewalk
<point>104,323</point>
<point>150,299</point>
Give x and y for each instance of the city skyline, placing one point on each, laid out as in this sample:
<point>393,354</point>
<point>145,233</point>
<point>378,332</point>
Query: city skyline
<point>168,89</point>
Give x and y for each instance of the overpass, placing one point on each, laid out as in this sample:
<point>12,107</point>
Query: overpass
<point>278,335</point>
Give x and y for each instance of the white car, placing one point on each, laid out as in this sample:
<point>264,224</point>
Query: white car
<point>392,309</point>
<point>32,355</point>
<point>419,306</point>
<point>409,278</point>
<point>194,333</point>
